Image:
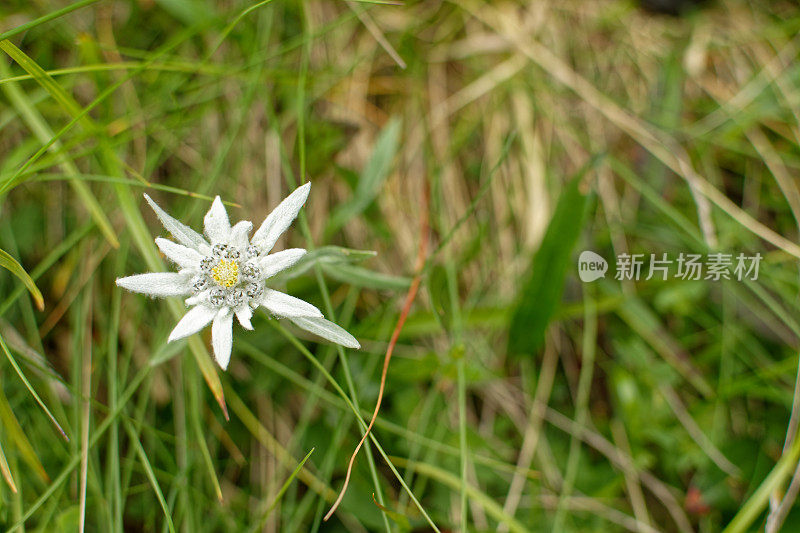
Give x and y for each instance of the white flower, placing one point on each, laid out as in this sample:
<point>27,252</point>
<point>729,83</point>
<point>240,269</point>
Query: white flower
<point>227,275</point>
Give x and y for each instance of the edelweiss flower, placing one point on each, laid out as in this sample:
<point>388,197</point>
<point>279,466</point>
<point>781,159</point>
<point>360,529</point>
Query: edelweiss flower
<point>227,275</point>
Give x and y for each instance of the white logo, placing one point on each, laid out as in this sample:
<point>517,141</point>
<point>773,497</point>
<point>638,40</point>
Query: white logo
<point>591,266</point>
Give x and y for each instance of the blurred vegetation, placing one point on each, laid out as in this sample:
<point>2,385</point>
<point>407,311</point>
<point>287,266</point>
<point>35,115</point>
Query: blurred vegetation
<point>519,398</point>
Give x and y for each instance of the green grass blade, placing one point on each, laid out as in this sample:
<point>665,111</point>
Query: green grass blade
<point>13,429</point>
<point>756,503</point>
<point>6,471</point>
<point>281,492</point>
<point>22,28</point>
<point>11,264</point>
<point>50,259</point>
<point>44,133</point>
<point>313,360</point>
<point>30,388</point>
<point>151,476</point>
<point>541,292</point>
<point>443,476</point>
<point>371,180</point>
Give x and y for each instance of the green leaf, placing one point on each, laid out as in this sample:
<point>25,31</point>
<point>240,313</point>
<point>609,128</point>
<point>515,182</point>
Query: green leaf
<point>46,18</point>
<point>541,293</point>
<point>363,277</point>
<point>260,524</point>
<point>400,519</point>
<point>326,255</point>
<point>11,264</point>
<point>440,297</point>
<point>371,179</point>
<point>6,471</point>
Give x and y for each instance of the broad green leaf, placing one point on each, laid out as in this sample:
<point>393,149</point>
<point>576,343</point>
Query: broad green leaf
<point>11,264</point>
<point>371,179</point>
<point>541,293</point>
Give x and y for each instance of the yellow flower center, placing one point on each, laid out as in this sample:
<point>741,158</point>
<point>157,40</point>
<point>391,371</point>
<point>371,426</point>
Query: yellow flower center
<point>226,273</point>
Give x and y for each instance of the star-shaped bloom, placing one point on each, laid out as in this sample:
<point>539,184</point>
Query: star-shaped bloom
<point>226,273</point>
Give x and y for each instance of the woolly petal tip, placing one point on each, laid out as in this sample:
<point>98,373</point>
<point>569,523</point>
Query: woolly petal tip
<point>222,337</point>
<point>279,220</point>
<point>217,225</point>
<point>281,304</point>
<point>243,315</point>
<point>327,330</point>
<point>182,233</point>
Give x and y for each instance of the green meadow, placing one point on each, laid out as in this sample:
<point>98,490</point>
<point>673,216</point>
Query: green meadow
<point>462,156</point>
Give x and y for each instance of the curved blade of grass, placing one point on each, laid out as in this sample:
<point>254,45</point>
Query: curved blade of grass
<point>281,492</point>
<point>335,384</point>
<point>11,264</point>
<point>400,519</point>
<point>195,410</point>
<point>756,503</point>
<point>151,476</point>
<point>76,457</point>
<point>30,388</point>
<point>369,183</point>
<point>229,28</point>
<point>263,436</point>
<point>44,133</point>
<point>55,254</point>
<point>13,429</point>
<point>541,293</point>
<point>443,476</point>
<point>6,471</point>
<point>46,18</point>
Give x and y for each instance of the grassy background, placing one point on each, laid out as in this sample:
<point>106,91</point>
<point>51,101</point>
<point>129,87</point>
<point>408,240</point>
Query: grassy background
<point>523,133</point>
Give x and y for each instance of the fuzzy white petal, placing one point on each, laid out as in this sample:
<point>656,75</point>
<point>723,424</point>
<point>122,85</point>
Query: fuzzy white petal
<point>197,298</point>
<point>216,223</point>
<point>327,330</point>
<point>280,219</point>
<point>244,314</point>
<point>179,254</point>
<point>222,337</point>
<point>184,234</point>
<point>193,321</point>
<point>239,233</point>
<point>274,263</point>
<point>159,284</point>
<point>281,304</point>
